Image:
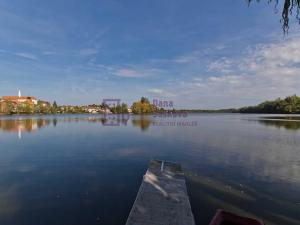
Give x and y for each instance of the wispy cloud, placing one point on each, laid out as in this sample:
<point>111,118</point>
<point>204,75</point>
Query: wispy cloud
<point>136,73</point>
<point>155,91</point>
<point>127,73</point>
<point>262,72</point>
<point>223,65</point>
<point>27,55</point>
<point>161,93</point>
<point>186,58</point>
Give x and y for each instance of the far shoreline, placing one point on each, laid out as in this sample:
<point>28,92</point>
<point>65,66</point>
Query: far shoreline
<point>148,114</point>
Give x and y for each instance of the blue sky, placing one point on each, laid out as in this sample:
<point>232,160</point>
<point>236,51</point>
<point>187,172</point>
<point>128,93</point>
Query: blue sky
<point>199,54</point>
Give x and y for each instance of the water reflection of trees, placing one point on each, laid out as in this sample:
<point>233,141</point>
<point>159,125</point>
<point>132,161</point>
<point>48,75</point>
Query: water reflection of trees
<point>287,118</point>
<point>286,124</point>
<point>143,122</point>
<point>20,125</point>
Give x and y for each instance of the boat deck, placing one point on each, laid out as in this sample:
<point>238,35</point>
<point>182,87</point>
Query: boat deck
<point>162,198</point>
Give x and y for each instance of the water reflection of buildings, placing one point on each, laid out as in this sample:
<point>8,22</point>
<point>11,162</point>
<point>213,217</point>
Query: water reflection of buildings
<point>23,125</point>
<point>28,125</point>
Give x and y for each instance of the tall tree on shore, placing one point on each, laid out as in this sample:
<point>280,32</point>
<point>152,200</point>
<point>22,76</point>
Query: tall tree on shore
<point>144,100</point>
<point>290,7</point>
<point>54,107</point>
<point>143,107</point>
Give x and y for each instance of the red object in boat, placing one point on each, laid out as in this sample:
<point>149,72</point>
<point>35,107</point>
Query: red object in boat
<point>226,218</point>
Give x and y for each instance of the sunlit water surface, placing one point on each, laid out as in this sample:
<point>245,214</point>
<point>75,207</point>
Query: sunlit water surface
<point>81,169</point>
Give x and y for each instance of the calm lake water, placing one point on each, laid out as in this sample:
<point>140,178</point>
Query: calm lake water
<point>86,170</point>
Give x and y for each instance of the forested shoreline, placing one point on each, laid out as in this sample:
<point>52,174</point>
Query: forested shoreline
<point>288,105</point>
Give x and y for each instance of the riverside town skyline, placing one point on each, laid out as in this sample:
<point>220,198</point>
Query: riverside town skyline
<point>31,105</point>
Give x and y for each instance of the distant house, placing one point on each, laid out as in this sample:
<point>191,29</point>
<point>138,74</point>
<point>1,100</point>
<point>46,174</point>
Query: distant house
<point>92,110</point>
<point>20,99</point>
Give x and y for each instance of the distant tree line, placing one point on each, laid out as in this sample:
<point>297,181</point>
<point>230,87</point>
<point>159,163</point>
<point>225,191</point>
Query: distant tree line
<point>289,105</point>
<point>119,109</point>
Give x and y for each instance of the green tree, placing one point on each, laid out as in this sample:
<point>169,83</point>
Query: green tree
<point>54,108</point>
<point>144,100</point>
<point>143,107</point>
<point>7,107</point>
<point>124,108</point>
<point>119,109</point>
<point>25,108</point>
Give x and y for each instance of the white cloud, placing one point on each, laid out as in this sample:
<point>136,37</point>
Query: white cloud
<point>127,73</point>
<point>26,55</point>
<point>228,79</point>
<point>155,91</point>
<point>136,73</point>
<point>160,93</point>
<point>264,72</point>
<point>223,65</point>
<point>189,58</point>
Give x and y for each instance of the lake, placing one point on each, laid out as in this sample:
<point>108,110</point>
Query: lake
<point>86,169</point>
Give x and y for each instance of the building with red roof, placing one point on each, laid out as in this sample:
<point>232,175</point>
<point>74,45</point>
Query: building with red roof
<point>20,99</point>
